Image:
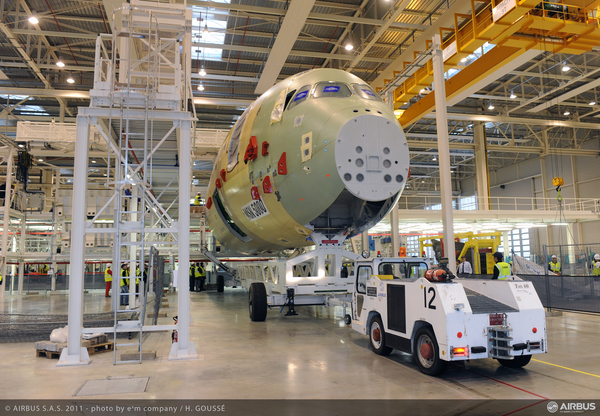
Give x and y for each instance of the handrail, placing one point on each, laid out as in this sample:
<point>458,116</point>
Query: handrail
<point>433,203</point>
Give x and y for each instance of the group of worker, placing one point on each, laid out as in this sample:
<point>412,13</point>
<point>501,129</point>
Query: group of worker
<point>501,268</point>
<point>197,277</point>
<point>555,266</point>
<point>124,281</point>
<point>596,268</point>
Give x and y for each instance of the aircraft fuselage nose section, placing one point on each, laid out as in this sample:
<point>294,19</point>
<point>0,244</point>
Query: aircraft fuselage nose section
<point>372,157</point>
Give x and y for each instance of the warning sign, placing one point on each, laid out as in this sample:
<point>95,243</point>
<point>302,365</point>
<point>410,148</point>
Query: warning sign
<point>255,210</point>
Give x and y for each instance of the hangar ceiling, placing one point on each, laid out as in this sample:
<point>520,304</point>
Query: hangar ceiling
<point>543,104</point>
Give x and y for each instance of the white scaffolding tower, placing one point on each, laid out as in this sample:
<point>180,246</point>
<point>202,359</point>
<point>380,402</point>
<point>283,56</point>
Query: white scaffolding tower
<point>141,90</point>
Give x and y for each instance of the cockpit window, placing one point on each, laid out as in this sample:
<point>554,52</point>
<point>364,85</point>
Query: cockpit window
<point>234,144</point>
<point>366,92</point>
<point>288,97</point>
<point>300,97</point>
<point>332,89</point>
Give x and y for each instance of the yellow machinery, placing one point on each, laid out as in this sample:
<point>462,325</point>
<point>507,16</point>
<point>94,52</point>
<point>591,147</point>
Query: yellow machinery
<point>514,26</point>
<point>477,242</point>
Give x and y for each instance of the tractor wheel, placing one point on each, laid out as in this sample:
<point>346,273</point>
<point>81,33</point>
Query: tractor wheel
<point>377,336</point>
<point>257,302</point>
<point>427,353</point>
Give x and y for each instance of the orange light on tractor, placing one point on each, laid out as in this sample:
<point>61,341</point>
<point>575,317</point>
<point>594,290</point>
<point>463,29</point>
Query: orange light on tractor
<point>534,330</point>
<point>460,352</point>
<point>459,335</point>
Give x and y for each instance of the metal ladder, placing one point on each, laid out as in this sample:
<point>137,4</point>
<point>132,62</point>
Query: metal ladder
<point>132,174</point>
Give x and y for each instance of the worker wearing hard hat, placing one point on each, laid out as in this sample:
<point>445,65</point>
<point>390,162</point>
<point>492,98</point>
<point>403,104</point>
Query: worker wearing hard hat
<point>596,271</point>
<point>501,268</point>
<point>554,265</point>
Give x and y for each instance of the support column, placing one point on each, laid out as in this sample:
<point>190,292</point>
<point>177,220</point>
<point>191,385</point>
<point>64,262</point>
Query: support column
<point>545,198</point>
<point>394,218</point>
<point>481,166</point>
<point>444,153</point>
<point>571,246</point>
<point>21,253</point>
<point>61,114</point>
<point>365,242</point>
<point>549,238</point>
<point>576,195</point>
<point>172,268</point>
<point>116,267</point>
<point>184,348</point>
<point>6,218</point>
<point>133,249</point>
<point>505,244</point>
<point>54,244</point>
<point>74,354</point>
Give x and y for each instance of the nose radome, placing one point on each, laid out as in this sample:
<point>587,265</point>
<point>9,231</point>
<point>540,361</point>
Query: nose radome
<point>372,157</point>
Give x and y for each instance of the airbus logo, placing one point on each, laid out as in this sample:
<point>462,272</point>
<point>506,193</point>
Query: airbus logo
<point>553,407</point>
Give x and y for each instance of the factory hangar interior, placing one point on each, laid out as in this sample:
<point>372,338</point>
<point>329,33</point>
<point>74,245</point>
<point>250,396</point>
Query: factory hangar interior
<point>521,90</point>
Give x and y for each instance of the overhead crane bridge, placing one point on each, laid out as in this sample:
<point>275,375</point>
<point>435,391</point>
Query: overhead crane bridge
<point>514,27</point>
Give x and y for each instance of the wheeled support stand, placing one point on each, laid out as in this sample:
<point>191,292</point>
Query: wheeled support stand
<point>291,311</point>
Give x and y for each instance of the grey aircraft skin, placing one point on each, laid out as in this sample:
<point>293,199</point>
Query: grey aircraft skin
<point>317,158</point>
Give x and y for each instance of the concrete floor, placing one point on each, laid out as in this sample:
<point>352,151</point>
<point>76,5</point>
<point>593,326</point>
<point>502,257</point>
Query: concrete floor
<point>312,355</point>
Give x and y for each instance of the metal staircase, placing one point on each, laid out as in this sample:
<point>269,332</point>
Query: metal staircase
<point>135,90</point>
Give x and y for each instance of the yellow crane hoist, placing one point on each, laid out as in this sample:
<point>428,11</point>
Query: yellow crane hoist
<point>558,182</point>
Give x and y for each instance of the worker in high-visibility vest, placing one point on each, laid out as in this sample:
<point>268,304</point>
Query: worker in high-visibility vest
<point>198,200</point>
<point>554,265</point>
<point>107,280</point>
<point>124,285</point>
<point>501,268</point>
<point>595,272</point>
<point>192,277</point>
<point>138,274</point>
<point>202,274</point>
<point>196,272</point>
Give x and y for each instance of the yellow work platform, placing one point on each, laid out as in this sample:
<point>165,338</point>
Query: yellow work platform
<point>516,25</point>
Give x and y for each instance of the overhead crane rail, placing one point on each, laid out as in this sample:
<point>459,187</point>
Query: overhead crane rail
<point>514,27</point>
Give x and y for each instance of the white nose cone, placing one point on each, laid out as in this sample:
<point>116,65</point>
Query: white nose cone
<point>372,157</point>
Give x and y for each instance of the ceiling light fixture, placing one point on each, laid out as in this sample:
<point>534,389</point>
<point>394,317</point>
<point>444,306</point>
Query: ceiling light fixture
<point>349,47</point>
<point>202,71</point>
<point>33,19</point>
<point>593,102</point>
<point>71,80</point>
<point>513,95</point>
<point>200,87</point>
<point>60,63</point>
<point>40,160</point>
<point>491,106</point>
<point>434,158</point>
<point>206,31</point>
<point>565,67</point>
<point>566,113</point>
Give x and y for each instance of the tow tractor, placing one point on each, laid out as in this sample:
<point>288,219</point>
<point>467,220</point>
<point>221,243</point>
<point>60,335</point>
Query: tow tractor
<point>403,304</point>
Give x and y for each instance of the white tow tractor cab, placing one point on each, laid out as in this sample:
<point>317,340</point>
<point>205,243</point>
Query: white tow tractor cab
<point>463,319</point>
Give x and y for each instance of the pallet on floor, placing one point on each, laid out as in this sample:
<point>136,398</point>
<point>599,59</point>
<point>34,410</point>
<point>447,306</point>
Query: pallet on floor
<point>47,354</point>
<point>105,346</point>
<point>92,349</point>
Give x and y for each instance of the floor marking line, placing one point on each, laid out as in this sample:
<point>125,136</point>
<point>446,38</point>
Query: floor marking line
<point>509,385</point>
<point>567,368</point>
